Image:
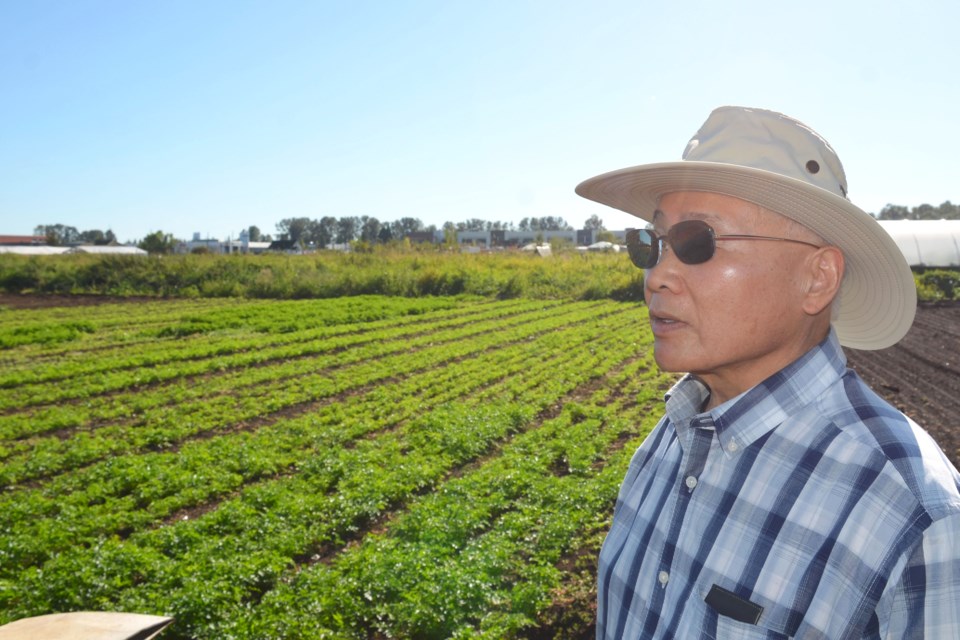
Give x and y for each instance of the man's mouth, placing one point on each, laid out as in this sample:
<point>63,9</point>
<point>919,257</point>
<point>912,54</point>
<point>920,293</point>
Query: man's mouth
<point>663,321</point>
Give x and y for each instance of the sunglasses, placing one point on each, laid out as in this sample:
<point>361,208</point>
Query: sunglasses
<point>692,241</point>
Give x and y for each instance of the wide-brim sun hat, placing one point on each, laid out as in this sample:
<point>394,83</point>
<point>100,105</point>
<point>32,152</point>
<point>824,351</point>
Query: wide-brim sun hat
<point>783,165</point>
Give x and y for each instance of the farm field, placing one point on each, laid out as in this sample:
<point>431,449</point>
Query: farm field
<point>363,467</point>
<point>358,467</point>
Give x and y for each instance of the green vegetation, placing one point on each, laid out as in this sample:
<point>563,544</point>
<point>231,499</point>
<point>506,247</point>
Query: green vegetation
<point>353,467</point>
<point>328,274</point>
<point>334,464</point>
<point>374,271</point>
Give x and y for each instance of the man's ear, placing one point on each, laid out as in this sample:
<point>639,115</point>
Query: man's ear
<point>824,277</point>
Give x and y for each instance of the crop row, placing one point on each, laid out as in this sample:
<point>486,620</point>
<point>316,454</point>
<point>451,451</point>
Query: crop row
<point>275,389</point>
<point>65,377</point>
<point>209,571</point>
<point>123,492</point>
<point>138,344</point>
<point>421,478</point>
<point>478,557</point>
<point>255,363</point>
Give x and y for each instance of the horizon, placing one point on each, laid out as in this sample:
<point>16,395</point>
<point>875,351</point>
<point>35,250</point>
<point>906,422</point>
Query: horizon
<point>195,236</point>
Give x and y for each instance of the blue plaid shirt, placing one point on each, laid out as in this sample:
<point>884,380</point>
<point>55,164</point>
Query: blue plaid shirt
<point>806,507</point>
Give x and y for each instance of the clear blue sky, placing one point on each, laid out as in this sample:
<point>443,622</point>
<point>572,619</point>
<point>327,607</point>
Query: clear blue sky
<point>214,115</point>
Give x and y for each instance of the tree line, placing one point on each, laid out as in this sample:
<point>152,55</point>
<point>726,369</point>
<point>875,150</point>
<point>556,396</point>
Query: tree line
<point>58,235</point>
<point>946,211</point>
<point>329,230</point>
<point>321,232</point>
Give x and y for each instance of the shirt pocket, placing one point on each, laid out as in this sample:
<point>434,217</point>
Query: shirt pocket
<point>774,622</point>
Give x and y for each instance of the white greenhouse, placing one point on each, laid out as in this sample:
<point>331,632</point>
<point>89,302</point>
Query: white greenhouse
<point>927,243</point>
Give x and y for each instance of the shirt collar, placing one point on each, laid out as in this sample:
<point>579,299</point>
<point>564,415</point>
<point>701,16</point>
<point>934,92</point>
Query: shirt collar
<point>742,420</point>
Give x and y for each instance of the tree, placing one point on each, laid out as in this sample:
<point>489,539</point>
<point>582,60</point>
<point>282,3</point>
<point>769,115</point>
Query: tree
<point>473,224</point>
<point>157,242</point>
<point>404,226</point>
<point>369,229</point>
<point>946,211</point>
<point>347,228</point>
<point>58,234</point>
<point>253,233</point>
<point>893,212</point>
<point>595,223</point>
<point>949,211</point>
<point>326,231</point>
<point>95,236</point>
<point>386,233</point>
<point>294,229</point>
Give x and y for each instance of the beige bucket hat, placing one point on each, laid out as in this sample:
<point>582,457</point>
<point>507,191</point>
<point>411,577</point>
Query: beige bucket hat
<point>783,165</point>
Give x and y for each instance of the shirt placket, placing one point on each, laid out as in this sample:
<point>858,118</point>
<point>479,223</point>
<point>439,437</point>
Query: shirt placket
<point>696,442</point>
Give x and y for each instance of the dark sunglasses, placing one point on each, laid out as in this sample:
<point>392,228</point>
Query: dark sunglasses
<point>692,241</point>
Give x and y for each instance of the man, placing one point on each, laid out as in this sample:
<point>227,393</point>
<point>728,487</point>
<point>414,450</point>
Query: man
<point>779,497</point>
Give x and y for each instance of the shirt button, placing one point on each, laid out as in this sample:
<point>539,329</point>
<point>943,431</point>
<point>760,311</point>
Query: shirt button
<point>664,578</point>
<point>733,447</point>
<point>691,483</point>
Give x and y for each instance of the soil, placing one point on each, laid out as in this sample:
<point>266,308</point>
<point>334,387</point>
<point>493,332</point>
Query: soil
<point>920,375</point>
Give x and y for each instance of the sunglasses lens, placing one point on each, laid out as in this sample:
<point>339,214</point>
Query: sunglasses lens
<point>692,241</point>
<point>642,247</point>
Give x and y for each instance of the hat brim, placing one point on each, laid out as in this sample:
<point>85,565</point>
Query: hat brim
<point>878,297</point>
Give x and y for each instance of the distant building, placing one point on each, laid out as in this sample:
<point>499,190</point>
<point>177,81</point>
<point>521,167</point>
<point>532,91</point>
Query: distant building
<point>213,245</point>
<point>32,250</point>
<point>286,246</point>
<point>22,241</point>
<point>423,237</point>
<point>926,243</point>
<point>505,238</point>
<point>29,246</point>
<point>109,249</point>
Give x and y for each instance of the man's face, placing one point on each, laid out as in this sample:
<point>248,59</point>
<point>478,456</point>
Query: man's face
<point>736,319</point>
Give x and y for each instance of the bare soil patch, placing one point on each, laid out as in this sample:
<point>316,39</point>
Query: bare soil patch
<point>920,375</point>
<point>38,301</point>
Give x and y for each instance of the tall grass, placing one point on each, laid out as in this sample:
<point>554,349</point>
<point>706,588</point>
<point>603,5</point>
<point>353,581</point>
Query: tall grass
<point>328,275</point>
<point>392,272</point>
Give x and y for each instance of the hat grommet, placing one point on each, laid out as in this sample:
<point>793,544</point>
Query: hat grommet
<point>813,166</point>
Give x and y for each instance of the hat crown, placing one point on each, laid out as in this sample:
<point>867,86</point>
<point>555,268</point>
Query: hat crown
<point>770,141</point>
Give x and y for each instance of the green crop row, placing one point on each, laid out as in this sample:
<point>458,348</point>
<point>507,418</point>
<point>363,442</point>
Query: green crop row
<point>228,359</point>
<point>416,476</point>
<point>118,484</point>
<point>144,323</point>
<point>342,371</point>
<point>159,352</point>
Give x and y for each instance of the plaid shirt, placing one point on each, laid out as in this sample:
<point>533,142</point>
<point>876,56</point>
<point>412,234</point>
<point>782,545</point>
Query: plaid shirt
<point>806,507</point>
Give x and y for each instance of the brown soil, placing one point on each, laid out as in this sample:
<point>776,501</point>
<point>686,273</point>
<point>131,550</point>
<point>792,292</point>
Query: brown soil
<point>42,301</point>
<point>920,375</point>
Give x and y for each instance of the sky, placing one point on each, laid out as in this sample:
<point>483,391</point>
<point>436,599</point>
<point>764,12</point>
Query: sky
<point>209,116</point>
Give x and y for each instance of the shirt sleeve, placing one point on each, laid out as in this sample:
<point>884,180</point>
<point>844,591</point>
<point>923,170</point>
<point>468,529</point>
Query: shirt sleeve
<point>926,600</point>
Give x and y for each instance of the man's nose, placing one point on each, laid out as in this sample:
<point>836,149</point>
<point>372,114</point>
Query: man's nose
<point>664,273</point>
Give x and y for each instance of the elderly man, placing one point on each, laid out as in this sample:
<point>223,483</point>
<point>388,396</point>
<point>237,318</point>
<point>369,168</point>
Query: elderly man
<point>779,497</point>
